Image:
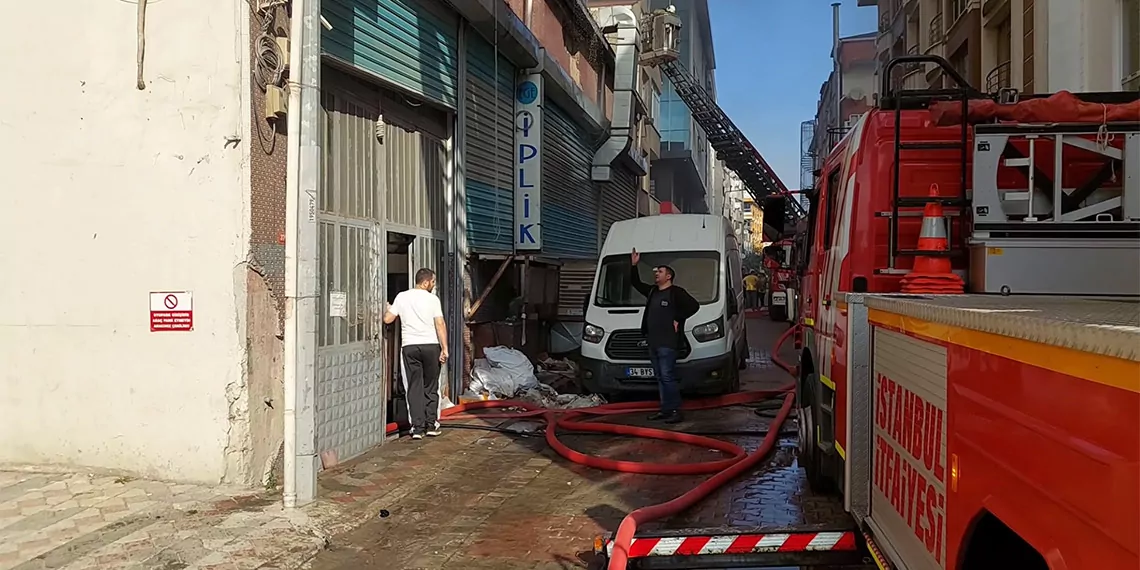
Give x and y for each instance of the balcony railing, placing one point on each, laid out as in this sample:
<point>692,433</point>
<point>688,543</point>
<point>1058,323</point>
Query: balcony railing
<point>834,135</point>
<point>957,8</point>
<point>999,78</point>
<point>937,34</point>
<point>911,67</point>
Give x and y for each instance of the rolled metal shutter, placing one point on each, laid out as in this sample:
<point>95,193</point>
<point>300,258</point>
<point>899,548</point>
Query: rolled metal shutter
<point>575,279</point>
<point>489,146</point>
<point>618,200</point>
<point>569,199</point>
<point>411,43</point>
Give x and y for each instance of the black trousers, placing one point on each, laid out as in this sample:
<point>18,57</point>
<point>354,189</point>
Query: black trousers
<point>420,369</point>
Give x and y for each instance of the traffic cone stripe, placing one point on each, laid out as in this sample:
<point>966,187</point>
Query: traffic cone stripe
<point>932,274</point>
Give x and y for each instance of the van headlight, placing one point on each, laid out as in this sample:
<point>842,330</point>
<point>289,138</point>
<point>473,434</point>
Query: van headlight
<point>592,333</point>
<point>709,331</point>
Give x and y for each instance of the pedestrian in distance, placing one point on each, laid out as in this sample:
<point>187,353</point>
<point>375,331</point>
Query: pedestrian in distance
<point>667,307</point>
<point>751,290</point>
<point>423,350</point>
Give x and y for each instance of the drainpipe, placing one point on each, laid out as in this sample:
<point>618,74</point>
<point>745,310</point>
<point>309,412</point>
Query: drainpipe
<point>528,14</point>
<point>836,65</point>
<point>626,48</point>
<point>458,324</point>
<point>301,186</point>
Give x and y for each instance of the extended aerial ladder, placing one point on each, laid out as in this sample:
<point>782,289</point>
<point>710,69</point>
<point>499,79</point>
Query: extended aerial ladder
<point>661,49</point>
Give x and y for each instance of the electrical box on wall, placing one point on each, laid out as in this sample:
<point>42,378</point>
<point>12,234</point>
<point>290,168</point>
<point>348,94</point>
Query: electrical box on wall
<point>283,50</point>
<point>274,103</point>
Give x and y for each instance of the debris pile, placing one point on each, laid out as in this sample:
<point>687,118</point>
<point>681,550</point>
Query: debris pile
<point>507,374</point>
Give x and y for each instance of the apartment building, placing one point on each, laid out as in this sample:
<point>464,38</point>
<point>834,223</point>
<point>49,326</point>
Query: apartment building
<point>684,174</point>
<point>1036,46</point>
<point>854,84</point>
<point>239,237</point>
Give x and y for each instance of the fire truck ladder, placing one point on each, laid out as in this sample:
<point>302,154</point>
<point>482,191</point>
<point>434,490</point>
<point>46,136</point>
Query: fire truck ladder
<point>726,138</point>
<point>900,99</point>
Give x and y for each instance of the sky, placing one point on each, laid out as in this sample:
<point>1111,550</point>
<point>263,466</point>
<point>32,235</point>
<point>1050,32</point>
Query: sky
<point>772,56</point>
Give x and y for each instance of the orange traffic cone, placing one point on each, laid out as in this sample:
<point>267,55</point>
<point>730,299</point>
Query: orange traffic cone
<point>932,273</point>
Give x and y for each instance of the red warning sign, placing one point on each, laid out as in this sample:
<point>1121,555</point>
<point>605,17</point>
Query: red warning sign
<point>171,311</point>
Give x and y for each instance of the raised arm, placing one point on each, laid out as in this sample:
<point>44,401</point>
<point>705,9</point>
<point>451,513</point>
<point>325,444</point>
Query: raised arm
<point>635,278</point>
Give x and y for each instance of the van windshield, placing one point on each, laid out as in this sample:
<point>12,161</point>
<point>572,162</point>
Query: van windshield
<point>697,271</point>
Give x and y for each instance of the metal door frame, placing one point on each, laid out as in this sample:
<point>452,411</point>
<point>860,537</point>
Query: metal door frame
<point>374,231</point>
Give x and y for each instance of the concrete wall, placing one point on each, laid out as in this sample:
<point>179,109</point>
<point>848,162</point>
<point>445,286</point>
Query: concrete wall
<point>545,22</point>
<point>111,193</point>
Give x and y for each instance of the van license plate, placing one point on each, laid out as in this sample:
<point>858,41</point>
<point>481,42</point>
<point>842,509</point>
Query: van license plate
<point>639,372</point>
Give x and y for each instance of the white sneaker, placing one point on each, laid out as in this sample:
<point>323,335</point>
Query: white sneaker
<point>417,435</point>
<point>435,430</point>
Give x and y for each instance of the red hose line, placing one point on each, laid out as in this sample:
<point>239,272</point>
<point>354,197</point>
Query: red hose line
<point>776,351</point>
<point>574,419</point>
<point>619,560</point>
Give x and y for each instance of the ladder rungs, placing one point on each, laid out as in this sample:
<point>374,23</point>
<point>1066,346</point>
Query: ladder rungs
<point>917,252</point>
<point>920,201</point>
<point>914,214</point>
<point>931,145</point>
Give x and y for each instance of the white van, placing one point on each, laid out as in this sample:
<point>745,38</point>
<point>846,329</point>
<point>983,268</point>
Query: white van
<point>705,254</point>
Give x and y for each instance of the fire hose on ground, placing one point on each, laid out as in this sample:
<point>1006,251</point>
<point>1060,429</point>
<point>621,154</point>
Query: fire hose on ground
<point>583,420</point>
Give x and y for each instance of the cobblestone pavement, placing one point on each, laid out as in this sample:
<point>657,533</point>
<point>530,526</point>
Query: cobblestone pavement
<point>476,500</point>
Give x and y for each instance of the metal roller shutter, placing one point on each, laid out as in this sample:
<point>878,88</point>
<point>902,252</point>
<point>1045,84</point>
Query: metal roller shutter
<point>619,201</point>
<point>412,43</point>
<point>569,199</point>
<point>490,138</point>
<point>575,279</point>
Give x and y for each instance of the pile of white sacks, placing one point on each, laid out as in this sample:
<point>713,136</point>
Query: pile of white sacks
<point>507,374</point>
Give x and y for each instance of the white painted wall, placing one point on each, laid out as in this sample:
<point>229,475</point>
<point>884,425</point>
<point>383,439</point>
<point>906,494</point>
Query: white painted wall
<point>109,193</point>
<point>1083,45</point>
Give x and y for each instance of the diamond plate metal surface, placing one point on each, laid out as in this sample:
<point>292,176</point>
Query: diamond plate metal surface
<point>861,401</point>
<point>349,402</point>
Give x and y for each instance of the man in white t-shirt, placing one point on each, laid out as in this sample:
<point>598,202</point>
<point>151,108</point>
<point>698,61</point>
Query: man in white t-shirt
<point>423,350</point>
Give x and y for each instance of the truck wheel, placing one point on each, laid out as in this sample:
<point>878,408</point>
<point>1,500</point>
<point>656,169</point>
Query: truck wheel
<point>742,357</point>
<point>731,381</point>
<point>734,381</point>
<point>810,456</point>
<point>778,313</point>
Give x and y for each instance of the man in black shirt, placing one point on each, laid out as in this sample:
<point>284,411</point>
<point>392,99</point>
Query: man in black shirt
<point>667,306</point>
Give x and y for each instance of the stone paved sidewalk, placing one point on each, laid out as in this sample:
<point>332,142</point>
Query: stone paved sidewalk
<point>80,521</point>
<point>467,501</point>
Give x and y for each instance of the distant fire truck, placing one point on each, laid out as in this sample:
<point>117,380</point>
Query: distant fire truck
<point>778,261</point>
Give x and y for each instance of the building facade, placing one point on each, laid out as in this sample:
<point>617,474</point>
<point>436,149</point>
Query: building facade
<point>736,209</point>
<point>1035,46</point>
<point>275,181</point>
<point>168,365</point>
<point>684,173</point>
<point>856,89</point>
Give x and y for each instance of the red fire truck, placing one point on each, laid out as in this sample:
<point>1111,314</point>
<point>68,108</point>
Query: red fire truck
<point>999,428</point>
<point>969,377</point>
<point>779,262</point>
